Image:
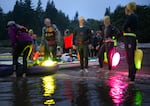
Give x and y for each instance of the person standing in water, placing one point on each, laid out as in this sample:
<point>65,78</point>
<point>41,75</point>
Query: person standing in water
<point>130,31</point>
<point>50,39</point>
<point>21,42</point>
<point>82,39</point>
<point>108,42</point>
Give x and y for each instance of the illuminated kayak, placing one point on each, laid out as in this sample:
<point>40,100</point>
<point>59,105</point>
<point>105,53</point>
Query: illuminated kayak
<point>6,70</point>
<point>46,67</point>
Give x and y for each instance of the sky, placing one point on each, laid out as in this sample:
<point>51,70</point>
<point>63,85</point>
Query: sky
<point>87,8</point>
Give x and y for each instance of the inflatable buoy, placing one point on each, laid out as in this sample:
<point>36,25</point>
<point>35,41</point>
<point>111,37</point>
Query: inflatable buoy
<point>138,57</point>
<point>105,58</point>
<point>78,55</point>
<point>36,55</point>
<point>115,59</point>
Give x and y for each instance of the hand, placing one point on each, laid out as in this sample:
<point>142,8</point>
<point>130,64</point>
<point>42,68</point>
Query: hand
<point>90,46</point>
<point>74,47</point>
<point>97,47</point>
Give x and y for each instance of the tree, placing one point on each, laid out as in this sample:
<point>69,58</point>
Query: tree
<point>51,11</point>
<point>118,18</point>
<point>24,14</point>
<point>39,7</point>
<point>40,18</point>
<point>74,22</point>
<point>27,4</point>
<point>76,16</point>
<point>94,24</point>
<point>107,12</point>
<point>57,17</point>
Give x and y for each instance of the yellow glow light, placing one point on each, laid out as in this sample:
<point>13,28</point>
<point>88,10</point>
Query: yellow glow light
<point>49,89</point>
<point>49,63</point>
<point>49,102</point>
<point>138,57</point>
<point>48,85</point>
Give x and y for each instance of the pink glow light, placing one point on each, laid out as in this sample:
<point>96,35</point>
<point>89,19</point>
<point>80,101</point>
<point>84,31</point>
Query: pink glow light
<point>115,59</point>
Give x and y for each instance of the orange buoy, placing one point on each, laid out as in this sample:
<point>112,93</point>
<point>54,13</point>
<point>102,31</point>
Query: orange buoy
<point>36,55</point>
<point>78,55</point>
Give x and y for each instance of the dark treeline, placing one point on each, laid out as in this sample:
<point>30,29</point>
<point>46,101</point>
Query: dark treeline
<point>118,17</point>
<point>32,17</point>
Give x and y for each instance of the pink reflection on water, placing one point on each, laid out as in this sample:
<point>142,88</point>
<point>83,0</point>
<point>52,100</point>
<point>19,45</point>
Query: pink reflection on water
<point>118,88</point>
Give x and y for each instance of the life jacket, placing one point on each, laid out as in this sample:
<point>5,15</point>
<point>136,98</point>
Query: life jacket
<point>68,41</point>
<point>50,35</point>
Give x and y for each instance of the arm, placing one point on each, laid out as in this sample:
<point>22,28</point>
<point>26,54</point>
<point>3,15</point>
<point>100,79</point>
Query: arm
<point>58,35</point>
<point>89,35</point>
<point>90,38</point>
<point>43,36</point>
<point>12,36</point>
<point>74,37</point>
<point>115,32</point>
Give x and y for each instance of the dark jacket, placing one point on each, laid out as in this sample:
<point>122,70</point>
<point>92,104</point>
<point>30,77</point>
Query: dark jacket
<point>131,24</point>
<point>17,36</point>
<point>110,31</point>
<point>82,35</point>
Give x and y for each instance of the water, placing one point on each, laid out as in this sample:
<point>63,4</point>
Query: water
<point>68,88</point>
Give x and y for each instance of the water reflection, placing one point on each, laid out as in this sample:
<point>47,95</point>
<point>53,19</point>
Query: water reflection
<point>123,94</point>
<point>118,89</point>
<point>49,89</point>
<point>138,98</point>
<point>60,90</point>
<point>21,93</point>
<point>134,96</point>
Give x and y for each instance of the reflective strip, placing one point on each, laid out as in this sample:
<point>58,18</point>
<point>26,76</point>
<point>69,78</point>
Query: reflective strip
<point>129,34</point>
<point>30,50</point>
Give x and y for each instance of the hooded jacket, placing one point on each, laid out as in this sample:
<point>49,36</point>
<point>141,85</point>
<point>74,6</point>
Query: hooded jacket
<point>17,36</point>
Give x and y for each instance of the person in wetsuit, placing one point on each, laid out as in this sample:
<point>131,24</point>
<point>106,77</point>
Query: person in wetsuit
<point>21,42</point>
<point>108,42</point>
<point>130,31</point>
<point>50,39</point>
<point>82,39</point>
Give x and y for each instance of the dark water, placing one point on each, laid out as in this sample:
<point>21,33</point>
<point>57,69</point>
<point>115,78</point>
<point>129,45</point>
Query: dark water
<point>68,88</point>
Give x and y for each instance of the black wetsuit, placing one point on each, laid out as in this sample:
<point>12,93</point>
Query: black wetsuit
<point>82,38</point>
<point>130,26</point>
<point>107,46</point>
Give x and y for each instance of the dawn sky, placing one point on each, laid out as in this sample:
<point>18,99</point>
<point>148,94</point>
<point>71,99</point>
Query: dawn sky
<point>87,8</point>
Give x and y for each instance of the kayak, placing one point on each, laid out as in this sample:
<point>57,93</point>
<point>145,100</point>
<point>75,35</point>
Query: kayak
<point>6,70</point>
<point>6,66</point>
